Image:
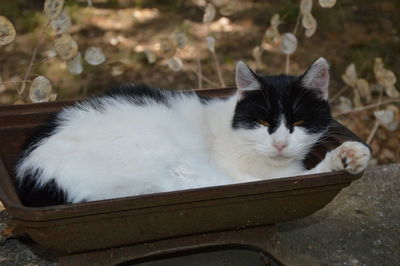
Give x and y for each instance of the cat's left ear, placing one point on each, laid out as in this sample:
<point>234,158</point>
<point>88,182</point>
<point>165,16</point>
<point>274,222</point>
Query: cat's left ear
<point>316,78</point>
<point>245,78</point>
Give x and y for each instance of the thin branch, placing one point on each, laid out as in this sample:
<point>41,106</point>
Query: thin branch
<point>362,108</point>
<point>28,71</point>
<point>296,27</point>
<point>372,134</point>
<point>287,64</point>
<point>334,98</point>
<point>219,72</point>
<point>199,72</point>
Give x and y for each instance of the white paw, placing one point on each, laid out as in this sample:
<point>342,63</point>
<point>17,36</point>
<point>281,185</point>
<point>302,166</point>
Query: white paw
<point>351,156</point>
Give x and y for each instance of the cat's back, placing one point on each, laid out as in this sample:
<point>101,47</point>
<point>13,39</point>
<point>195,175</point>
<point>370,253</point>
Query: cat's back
<point>133,131</point>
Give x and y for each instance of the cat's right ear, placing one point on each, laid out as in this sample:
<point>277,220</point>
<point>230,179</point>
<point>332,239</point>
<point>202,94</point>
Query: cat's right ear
<point>245,78</point>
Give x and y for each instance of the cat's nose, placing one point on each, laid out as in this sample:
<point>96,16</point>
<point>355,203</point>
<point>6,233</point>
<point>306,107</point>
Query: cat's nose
<point>280,145</point>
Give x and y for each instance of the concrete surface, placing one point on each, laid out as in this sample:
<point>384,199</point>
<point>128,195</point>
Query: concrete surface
<point>361,226</point>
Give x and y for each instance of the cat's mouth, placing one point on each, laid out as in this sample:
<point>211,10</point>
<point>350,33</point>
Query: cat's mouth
<point>281,157</point>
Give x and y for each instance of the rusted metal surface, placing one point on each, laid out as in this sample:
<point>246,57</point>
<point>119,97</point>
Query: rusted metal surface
<point>133,220</point>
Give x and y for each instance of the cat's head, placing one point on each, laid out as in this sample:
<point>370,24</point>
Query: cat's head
<point>281,117</point>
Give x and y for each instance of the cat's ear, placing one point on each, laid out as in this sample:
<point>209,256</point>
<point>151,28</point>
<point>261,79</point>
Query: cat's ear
<point>317,78</point>
<point>245,78</point>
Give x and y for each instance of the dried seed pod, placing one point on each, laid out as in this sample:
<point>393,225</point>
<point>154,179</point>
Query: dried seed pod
<point>60,24</point>
<point>211,44</point>
<point>327,3</point>
<point>75,65</point>
<point>53,8</point>
<point>272,35</point>
<point>94,56</point>
<point>167,47</point>
<point>350,75</point>
<point>150,56</point>
<point>384,116</point>
<point>180,39</point>
<point>175,64</point>
<point>345,104</point>
<point>40,90</point>
<point>7,31</point>
<point>310,31</point>
<point>306,6</point>
<point>289,43</point>
<point>275,20</point>
<point>53,97</point>
<point>209,13</point>
<point>386,78</point>
<point>363,88</point>
<point>308,21</point>
<point>66,47</point>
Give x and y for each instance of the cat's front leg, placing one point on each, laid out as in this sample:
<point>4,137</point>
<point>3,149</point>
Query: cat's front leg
<point>351,156</point>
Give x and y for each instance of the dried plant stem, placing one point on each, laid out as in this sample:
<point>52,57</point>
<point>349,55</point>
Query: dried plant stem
<point>219,72</point>
<point>362,108</point>
<point>28,71</point>
<point>287,64</point>
<point>334,98</point>
<point>372,134</point>
<point>90,3</point>
<point>199,72</point>
<point>296,27</point>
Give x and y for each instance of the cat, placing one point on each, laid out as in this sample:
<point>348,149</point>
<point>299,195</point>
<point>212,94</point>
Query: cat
<point>139,140</point>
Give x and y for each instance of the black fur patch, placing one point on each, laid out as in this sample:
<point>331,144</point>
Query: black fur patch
<point>33,195</point>
<point>282,96</point>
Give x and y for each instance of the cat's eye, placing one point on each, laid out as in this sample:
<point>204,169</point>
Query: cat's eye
<point>264,123</point>
<point>298,123</point>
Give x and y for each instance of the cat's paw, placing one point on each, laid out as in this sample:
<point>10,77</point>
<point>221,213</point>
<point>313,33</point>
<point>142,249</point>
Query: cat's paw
<point>351,156</point>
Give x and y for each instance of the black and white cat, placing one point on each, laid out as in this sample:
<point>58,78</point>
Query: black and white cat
<point>139,140</point>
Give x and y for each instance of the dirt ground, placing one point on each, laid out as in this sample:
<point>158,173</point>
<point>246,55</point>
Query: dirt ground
<point>354,31</point>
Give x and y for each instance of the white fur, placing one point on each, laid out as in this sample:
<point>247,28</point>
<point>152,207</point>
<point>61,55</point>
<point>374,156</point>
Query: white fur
<point>128,149</point>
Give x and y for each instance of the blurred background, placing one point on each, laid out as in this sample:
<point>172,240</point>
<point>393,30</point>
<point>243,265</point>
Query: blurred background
<point>63,50</point>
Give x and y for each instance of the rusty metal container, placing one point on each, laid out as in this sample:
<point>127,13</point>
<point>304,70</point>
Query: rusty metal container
<point>99,225</point>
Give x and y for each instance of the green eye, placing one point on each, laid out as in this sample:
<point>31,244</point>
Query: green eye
<point>264,123</point>
<point>298,123</point>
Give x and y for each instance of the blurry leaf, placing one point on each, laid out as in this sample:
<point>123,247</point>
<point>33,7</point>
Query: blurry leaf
<point>53,97</point>
<point>75,65</point>
<point>209,13</point>
<point>306,6</point>
<point>384,116</point>
<point>175,64</point>
<point>350,75</point>
<point>94,56</point>
<point>60,24</point>
<point>327,3</point>
<point>211,44</point>
<point>151,57</point>
<point>167,47</point>
<point>289,43</point>
<point>180,39</point>
<point>363,88</point>
<point>7,31</point>
<point>66,47</point>
<point>308,21</point>
<point>275,20</point>
<point>53,8</point>
<point>378,65</point>
<point>345,104</point>
<point>40,90</point>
